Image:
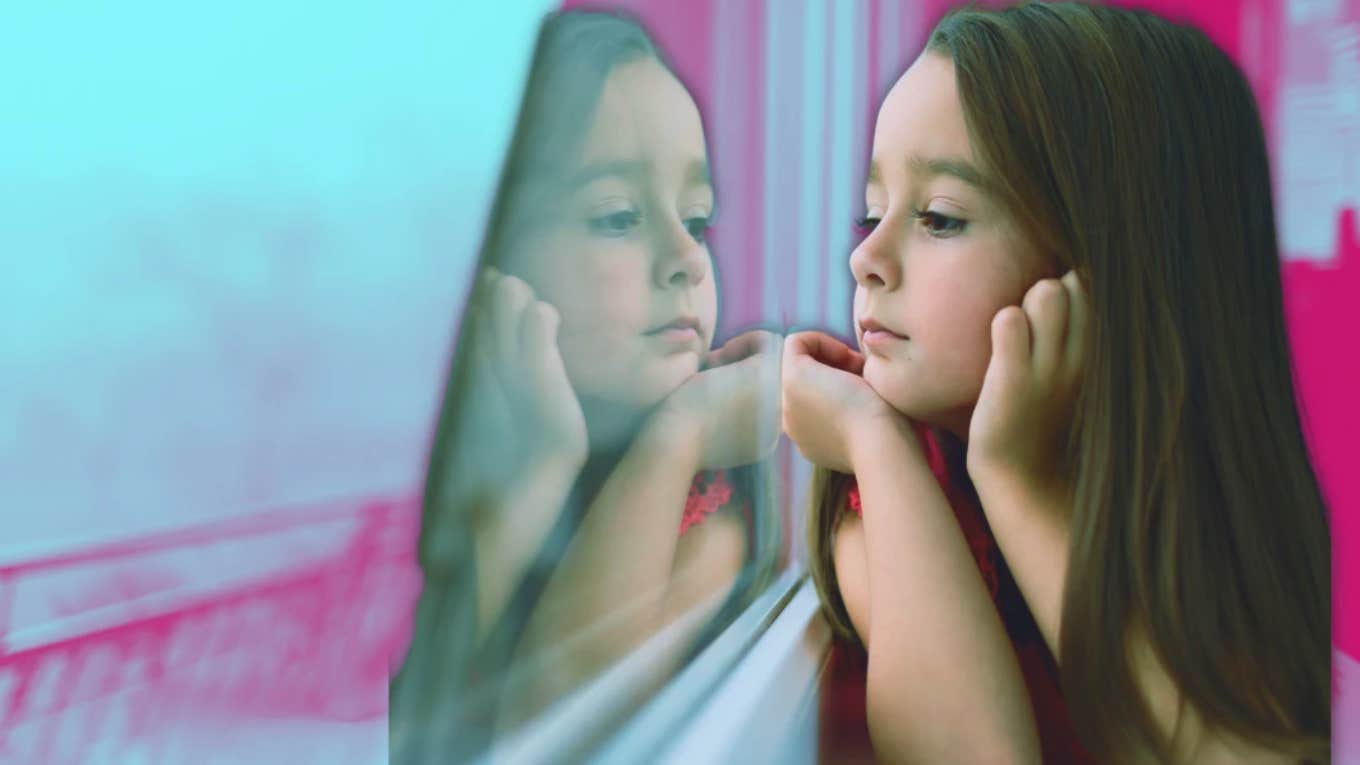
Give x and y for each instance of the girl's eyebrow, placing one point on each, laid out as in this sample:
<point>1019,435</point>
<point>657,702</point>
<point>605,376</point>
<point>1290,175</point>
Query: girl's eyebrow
<point>696,174</point>
<point>929,167</point>
<point>960,168</point>
<point>625,169</point>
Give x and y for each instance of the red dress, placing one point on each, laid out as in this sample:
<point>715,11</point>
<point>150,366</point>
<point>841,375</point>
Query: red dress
<point>1057,737</point>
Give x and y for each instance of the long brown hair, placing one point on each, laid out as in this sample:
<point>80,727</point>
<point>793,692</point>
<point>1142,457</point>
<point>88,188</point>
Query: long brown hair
<point>1130,149</point>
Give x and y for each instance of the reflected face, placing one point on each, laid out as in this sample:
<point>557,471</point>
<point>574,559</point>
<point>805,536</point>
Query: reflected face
<point>942,256</point>
<point>624,258</point>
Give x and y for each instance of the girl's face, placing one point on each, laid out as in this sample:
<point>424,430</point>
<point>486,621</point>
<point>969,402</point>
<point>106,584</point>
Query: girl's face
<point>623,257</point>
<point>941,259</point>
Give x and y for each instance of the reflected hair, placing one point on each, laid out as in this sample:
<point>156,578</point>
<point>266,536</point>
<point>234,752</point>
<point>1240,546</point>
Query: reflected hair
<point>576,53</point>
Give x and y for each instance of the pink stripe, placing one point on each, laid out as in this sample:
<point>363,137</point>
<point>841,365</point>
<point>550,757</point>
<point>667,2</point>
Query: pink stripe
<point>788,140</point>
<point>736,142</point>
<point>752,191</point>
<point>871,83</point>
<point>1321,313</point>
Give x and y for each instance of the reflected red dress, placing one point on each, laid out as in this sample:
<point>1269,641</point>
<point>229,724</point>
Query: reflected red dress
<point>1057,737</point>
<point>708,492</point>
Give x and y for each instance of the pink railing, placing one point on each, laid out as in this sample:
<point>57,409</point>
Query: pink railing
<point>313,640</point>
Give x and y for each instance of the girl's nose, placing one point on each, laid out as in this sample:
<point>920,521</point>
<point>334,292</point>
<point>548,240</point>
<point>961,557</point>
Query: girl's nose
<point>874,263</point>
<point>683,261</point>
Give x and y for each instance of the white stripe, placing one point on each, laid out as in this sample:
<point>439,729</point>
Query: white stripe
<point>811,210</point>
<point>769,259</point>
<point>889,52</point>
<point>841,201</point>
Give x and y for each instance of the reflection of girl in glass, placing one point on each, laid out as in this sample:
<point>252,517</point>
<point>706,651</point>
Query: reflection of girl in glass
<point>593,476</point>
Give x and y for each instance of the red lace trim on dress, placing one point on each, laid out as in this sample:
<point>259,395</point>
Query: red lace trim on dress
<point>708,492</point>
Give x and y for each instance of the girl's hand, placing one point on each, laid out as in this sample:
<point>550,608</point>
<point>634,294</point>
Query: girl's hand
<point>827,403</point>
<point>731,407</point>
<point>523,409</point>
<point>1020,427</point>
<point>519,441</point>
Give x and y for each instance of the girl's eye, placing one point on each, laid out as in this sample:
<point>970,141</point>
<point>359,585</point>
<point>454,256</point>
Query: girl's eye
<point>937,224</point>
<point>867,224</point>
<point>697,227</point>
<point>616,223</point>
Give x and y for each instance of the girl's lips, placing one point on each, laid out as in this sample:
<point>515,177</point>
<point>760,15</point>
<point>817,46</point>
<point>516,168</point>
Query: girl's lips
<point>880,337</point>
<point>676,334</point>
<point>679,334</point>
<point>681,323</point>
<point>870,329</point>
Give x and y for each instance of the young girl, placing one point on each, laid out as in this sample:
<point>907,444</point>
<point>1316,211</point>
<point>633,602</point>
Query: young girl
<point>594,473</point>
<point>1070,430</point>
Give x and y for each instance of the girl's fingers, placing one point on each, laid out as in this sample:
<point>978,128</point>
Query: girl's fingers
<point>486,356</point>
<point>489,382</point>
<point>1073,361</point>
<point>1046,308</point>
<point>1011,358</point>
<point>825,349</point>
<point>510,298</point>
<point>538,339</point>
<point>743,346</point>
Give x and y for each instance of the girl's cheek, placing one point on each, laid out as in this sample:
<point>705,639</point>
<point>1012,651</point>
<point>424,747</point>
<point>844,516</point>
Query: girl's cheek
<point>958,335</point>
<point>592,288</point>
<point>617,275</point>
<point>977,344</point>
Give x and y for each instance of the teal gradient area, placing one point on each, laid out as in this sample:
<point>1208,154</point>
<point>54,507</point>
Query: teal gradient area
<point>235,239</point>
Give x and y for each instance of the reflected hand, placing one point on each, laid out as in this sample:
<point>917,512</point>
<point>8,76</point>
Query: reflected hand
<point>519,443</point>
<point>732,405</point>
<point>522,407</point>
